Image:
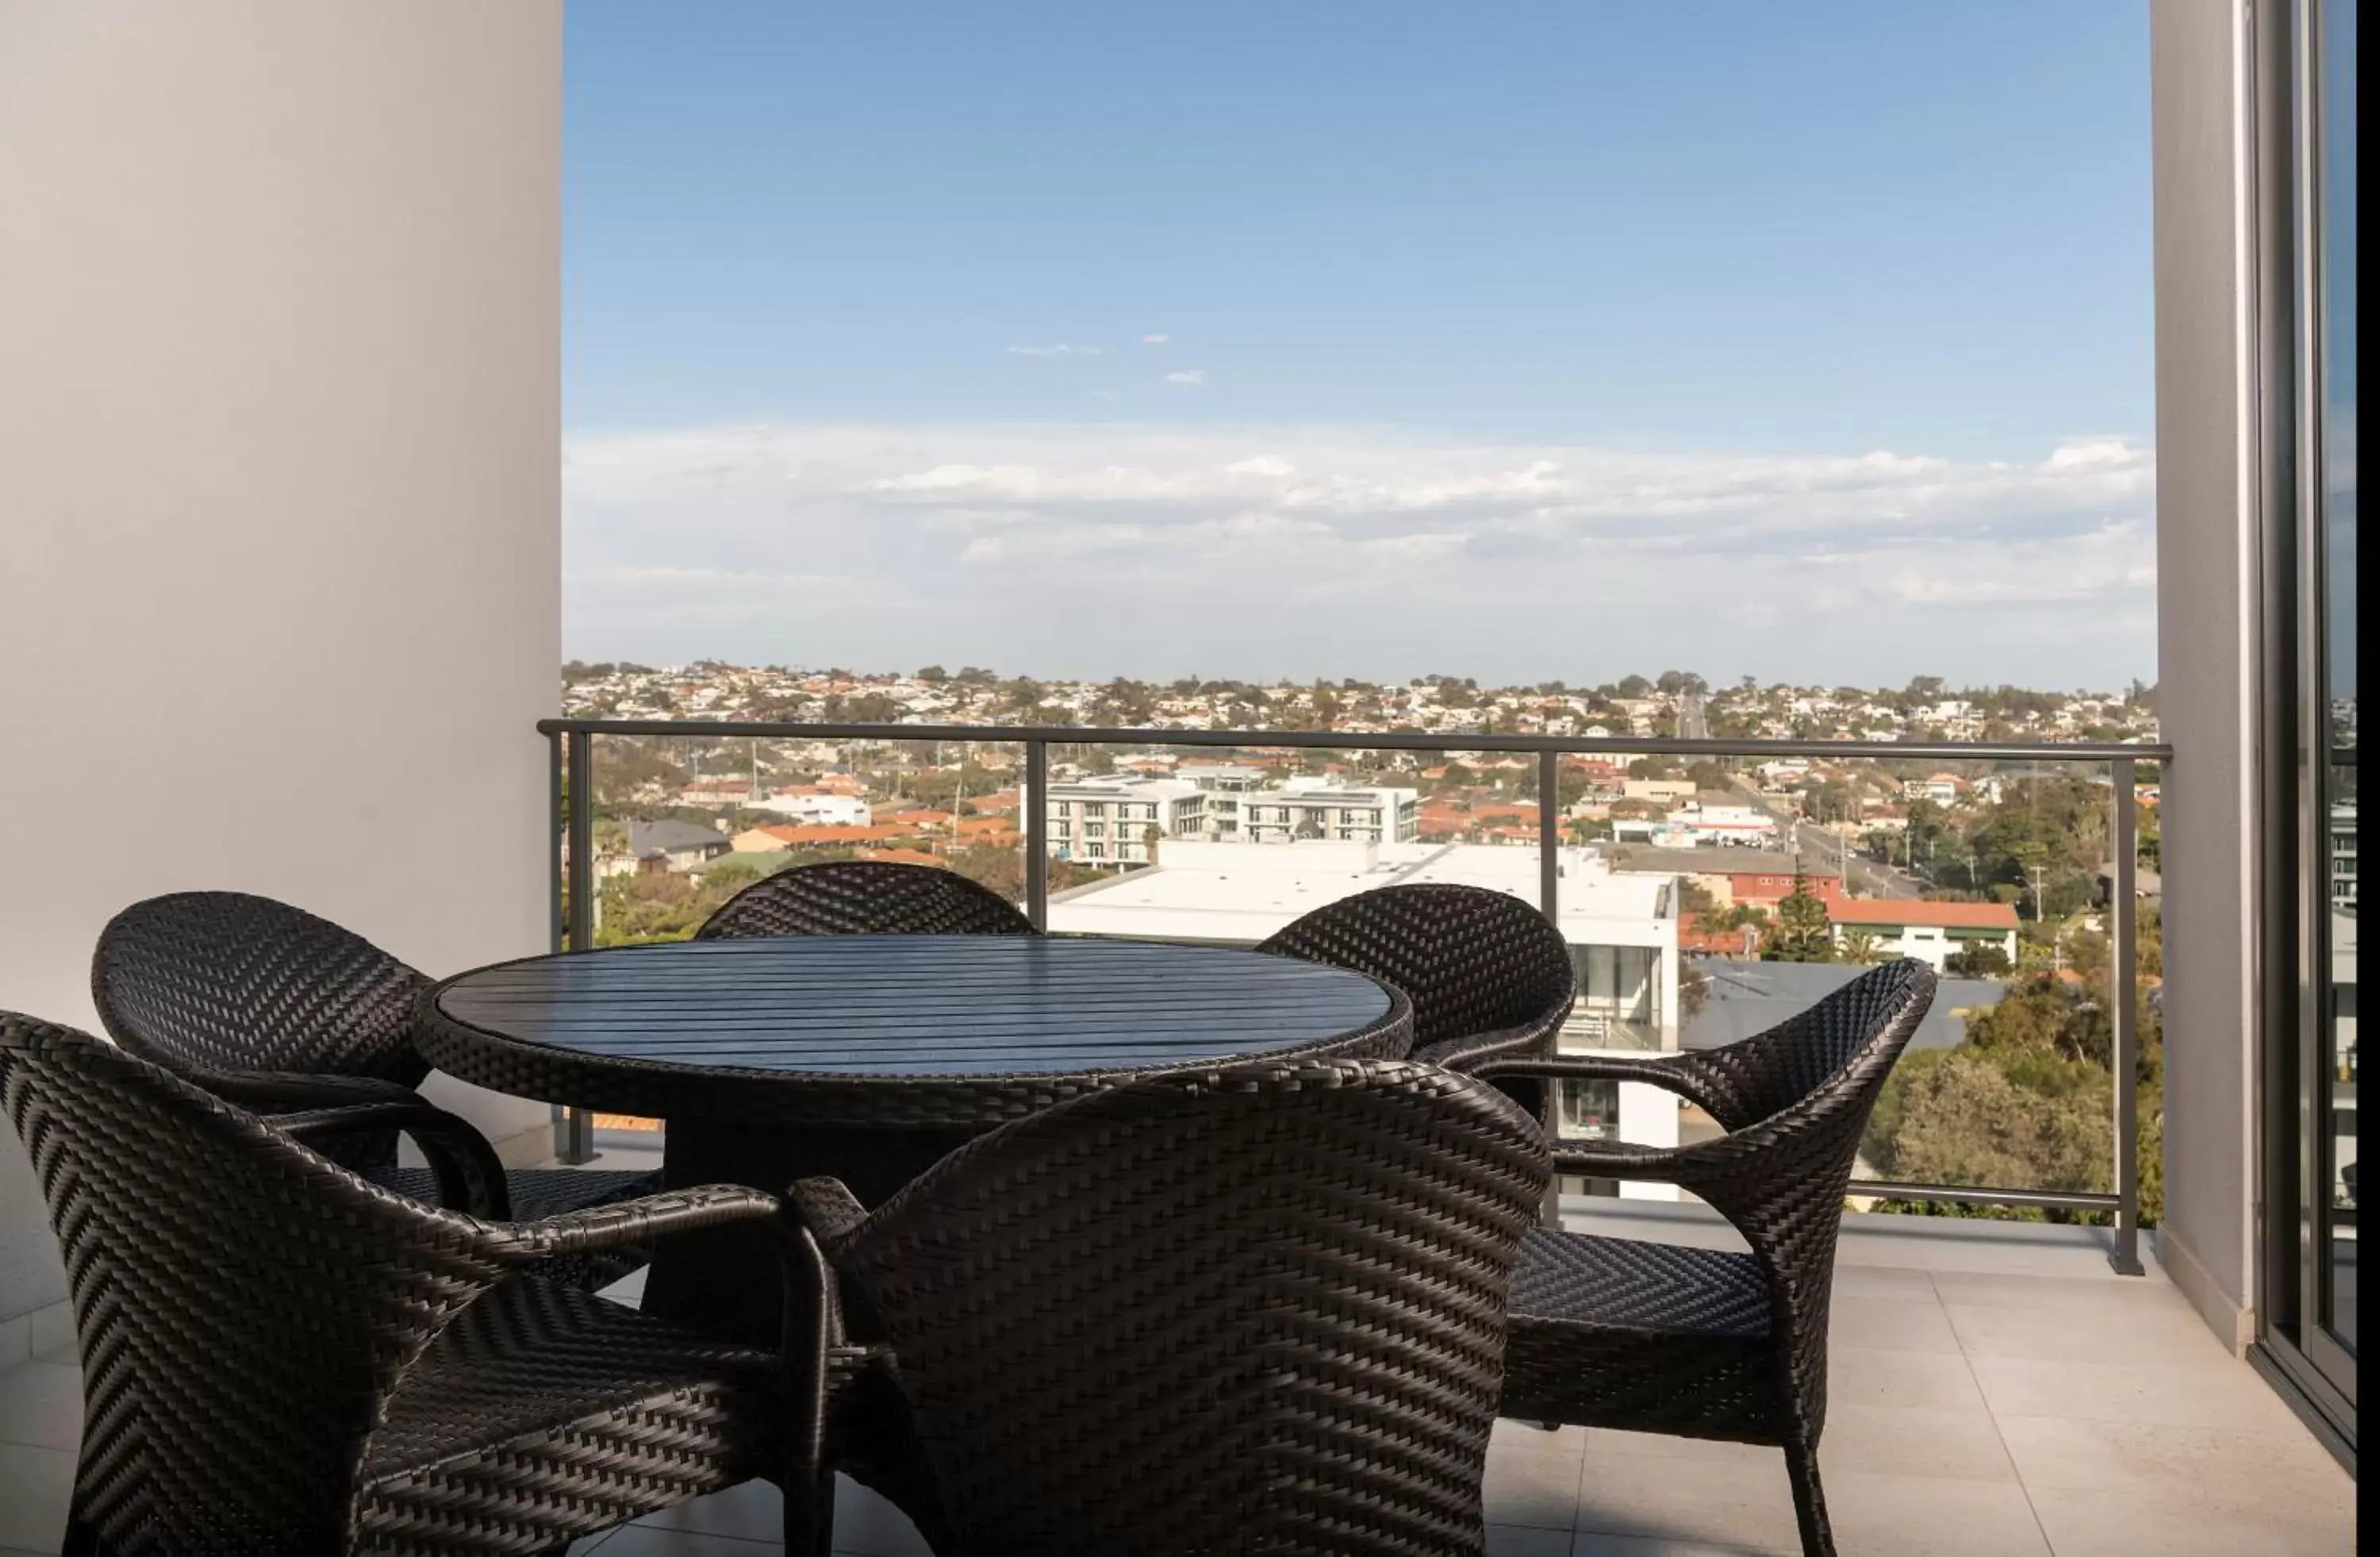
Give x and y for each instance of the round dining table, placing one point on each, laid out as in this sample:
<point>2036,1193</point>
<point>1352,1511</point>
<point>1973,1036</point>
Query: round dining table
<point>867,1057</point>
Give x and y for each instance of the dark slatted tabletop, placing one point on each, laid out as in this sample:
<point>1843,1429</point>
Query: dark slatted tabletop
<point>903,1004</point>
<point>971,1027</point>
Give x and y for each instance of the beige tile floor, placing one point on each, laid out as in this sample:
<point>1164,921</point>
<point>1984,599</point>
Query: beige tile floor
<point>1995,1390</point>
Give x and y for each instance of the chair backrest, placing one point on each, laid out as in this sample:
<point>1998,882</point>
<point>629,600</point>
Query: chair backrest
<point>1844,1045</point>
<point>1795,1101</point>
<point>865,897</point>
<point>227,980</point>
<point>1262,1311</point>
<point>1472,961</point>
<point>243,1305</point>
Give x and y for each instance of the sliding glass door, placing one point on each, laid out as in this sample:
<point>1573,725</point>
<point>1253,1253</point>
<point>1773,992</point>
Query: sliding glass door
<point>2330,1299</point>
<point>2311,1204</point>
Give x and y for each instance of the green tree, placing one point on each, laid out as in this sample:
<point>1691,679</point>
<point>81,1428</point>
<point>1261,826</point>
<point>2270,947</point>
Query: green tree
<point>1978,960</point>
<point>1802,931</point>
<point>1958,1117</point>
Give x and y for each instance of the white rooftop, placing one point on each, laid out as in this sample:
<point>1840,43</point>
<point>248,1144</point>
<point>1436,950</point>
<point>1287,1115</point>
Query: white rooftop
<point>1244,891</point>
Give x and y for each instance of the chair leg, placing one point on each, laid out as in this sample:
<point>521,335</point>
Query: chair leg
<point>82,1539</point>
<point>809,1515</point>
<point>1809,1501</point>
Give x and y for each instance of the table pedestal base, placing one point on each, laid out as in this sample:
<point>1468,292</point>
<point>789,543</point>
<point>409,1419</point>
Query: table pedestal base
<point>724,1282</point>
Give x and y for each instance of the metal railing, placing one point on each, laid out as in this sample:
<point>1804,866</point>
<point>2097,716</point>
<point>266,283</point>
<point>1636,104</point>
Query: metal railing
<point>572,767</point>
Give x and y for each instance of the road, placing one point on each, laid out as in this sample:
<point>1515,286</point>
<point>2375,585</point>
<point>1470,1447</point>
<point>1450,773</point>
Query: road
<point>1866,876</point>
<point>1829,852</point>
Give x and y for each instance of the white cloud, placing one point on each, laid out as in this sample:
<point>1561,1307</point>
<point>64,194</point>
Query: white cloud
<point>1188,378</point>
<point>1161,547</point>
<point>1060,350</point>
<point>1156,340</point>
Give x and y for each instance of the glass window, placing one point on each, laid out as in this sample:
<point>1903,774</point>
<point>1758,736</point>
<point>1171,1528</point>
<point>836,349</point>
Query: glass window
<point>2336,206</point>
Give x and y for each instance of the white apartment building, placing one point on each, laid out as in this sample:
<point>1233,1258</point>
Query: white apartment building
<point>1107,821</point>
<point>819,810</point>
<point>1221,777</point>
<point>1227,785</point>
<point>1309,808</point>
<point>1623,931</point>
<point>1699,822</point>
<point>1725,822</point>
<point>2342,856</point>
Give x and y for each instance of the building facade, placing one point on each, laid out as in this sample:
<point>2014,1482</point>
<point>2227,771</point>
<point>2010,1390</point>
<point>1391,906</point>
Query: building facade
<point>1932,933</point>
<point>1111,821</point>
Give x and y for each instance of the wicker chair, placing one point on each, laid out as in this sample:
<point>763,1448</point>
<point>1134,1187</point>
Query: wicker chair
<point>277,1010</point>
<point>863,897</point>
<point>1611,1333</point>
<point>1487,973</point>
<point>281,1358</point>
<point>1256,1311</point>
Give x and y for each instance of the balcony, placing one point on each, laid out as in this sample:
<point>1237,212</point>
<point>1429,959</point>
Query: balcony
<point>286,563</point>
<point>1997,1392</point>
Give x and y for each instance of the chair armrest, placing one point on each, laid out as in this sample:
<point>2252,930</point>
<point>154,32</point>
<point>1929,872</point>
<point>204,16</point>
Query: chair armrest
<point>470,1176</point>
<point>1619,1159</point>
<point>1664,1074</point>
<point>828,1209</point>
<point>813,1318</point>
<point>628,1224</point>
<point>1467,1052</point>
<point>272,1093</point>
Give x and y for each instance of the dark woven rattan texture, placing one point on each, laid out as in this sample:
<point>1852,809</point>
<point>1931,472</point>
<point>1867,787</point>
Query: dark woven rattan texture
<point>282,1358</point>
<point>865,897</point>
<point>1648,1338</point>
<point>1486,972</point>
<point>245,995</point>
<point>225,981</point>
<point>1263,1311</point>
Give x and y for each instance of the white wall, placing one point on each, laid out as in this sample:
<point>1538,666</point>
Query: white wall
<point>279,459</point>
<point>2205,471</point>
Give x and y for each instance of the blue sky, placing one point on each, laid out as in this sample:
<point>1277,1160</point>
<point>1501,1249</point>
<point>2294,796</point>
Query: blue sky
<point>1401,255</point>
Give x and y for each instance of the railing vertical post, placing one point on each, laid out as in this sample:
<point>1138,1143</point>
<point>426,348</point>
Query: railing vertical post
<point>556,889</point>
<point>574,1128</point>
<point>1036,833</point>
<point>582,840</point>
<point>1549,833</point>
<point>1549,904</point>
<point>2124,999</point>
<point>555,886</point>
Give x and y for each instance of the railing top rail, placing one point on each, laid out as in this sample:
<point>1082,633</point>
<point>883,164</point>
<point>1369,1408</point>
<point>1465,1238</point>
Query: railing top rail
<point>1376,740</point>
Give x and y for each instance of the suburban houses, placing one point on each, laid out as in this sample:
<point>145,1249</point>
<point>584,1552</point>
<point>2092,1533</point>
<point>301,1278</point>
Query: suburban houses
<point>1932,933</point>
